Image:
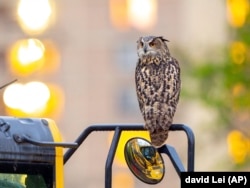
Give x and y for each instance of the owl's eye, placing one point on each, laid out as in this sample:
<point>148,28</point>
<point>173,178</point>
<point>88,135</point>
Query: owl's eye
<point>151,44</point>
<point>141,43</point>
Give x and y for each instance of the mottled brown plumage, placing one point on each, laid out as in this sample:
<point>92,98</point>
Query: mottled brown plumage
<point>157,78</point>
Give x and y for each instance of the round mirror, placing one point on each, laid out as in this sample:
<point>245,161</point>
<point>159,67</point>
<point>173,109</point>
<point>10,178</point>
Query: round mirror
<point>144,160</point>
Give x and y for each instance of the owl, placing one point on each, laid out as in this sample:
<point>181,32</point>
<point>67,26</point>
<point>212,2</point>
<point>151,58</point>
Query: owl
<point>158,84</point>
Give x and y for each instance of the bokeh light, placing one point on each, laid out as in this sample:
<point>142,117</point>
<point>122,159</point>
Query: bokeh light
<point>51,58</point>
<point>237,11</point>
<point>238,52</point>
<point>55,104</point>
<point>238,146</point>
<point>26,56</point>
<point>142,14</point>
<point>34,16</point>
<point>28,98</point>
<point>139,14</point>
<point>118,14</point>
<point>33,99</point>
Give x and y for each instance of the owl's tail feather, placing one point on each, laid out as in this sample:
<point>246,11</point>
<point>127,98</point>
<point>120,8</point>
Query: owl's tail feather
<point>158,138</point>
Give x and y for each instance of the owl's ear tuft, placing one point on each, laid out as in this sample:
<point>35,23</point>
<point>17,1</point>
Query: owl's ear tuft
<point>139,40</point>
<point>163,39</point>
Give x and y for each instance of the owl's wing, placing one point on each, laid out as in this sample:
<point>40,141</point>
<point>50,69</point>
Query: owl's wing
<point>168,97</point>
<point>139,84</point>
<point>173,81</point>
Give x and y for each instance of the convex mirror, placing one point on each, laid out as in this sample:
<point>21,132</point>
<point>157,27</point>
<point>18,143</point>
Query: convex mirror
<point>144,160</point>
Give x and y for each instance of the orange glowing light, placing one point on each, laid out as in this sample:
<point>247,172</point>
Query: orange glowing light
<point>118,14</point>
<point>51,57</point>
<point>26,56</point>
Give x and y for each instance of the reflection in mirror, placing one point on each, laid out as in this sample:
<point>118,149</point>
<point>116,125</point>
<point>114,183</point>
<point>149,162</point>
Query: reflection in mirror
<point>144,160</point>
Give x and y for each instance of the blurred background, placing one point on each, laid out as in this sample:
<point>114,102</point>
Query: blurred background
<point>75,62</point>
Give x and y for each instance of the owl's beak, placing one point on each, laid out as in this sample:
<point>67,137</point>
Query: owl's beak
<point>145,49</point>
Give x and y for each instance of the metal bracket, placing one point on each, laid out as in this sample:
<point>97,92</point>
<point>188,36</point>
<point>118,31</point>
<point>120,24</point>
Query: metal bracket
<point>25,139</point>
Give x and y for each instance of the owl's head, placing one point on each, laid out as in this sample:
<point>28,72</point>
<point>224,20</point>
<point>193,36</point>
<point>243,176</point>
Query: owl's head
<point>152,46</point>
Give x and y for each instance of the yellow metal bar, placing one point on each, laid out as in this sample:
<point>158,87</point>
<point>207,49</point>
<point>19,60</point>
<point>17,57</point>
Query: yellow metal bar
<point>59,154</point>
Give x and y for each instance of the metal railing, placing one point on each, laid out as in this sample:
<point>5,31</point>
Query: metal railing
<point>118,128</point>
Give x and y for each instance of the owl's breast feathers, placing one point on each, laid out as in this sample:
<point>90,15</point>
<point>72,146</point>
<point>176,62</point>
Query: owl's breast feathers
<point>158,89</point>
